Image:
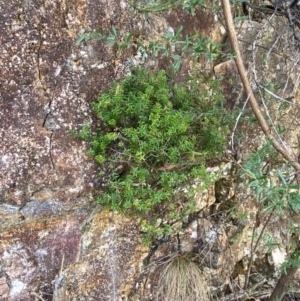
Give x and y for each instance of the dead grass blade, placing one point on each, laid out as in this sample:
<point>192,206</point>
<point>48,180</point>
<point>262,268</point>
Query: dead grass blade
<point>181,280</point>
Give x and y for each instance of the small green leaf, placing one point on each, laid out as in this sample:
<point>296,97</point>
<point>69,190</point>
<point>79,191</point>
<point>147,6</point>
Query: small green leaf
<point>100,159</point>
<point>81,39</point>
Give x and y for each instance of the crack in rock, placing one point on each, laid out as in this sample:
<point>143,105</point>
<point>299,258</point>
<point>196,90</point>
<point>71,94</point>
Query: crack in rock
<point>49,148</point>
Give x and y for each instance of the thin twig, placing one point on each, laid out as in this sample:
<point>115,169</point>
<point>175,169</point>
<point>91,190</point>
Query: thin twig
<point>276,96</point>
<point>273,125</point>
<point>62,264</point>
<point>35,294</point>
<point>253,250</point>
<point>235,126</point>
<point>240,295</point>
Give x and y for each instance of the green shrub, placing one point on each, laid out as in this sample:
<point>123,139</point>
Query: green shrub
<point>154,142</point>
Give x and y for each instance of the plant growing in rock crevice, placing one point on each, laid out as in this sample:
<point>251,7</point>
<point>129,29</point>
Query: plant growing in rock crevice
<point>171,45</point>
<point>276,195</point>
<point>156,138</point>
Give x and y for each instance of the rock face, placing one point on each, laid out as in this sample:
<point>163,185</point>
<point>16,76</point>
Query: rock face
<point>45,88</point>
<point>110,260</point>
<point>47,84</point>
<point>32,254</point>
<point>50,224</point>
<point>52,232</point>
<point>49,218</point>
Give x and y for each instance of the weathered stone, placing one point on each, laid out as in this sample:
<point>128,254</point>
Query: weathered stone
<point>35,209</point>
<point>8,212</point>
<point>231,85</point>
<point>47,182</point>
<point>45,175</point>
<point>4,288</point>
<point>205,198</point>
<point>32,254</point>
<point>46,178</point>
<point>111,259</point>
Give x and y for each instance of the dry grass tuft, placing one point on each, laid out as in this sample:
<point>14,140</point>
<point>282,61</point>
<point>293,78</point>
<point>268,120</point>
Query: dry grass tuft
<point>181,280</point>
